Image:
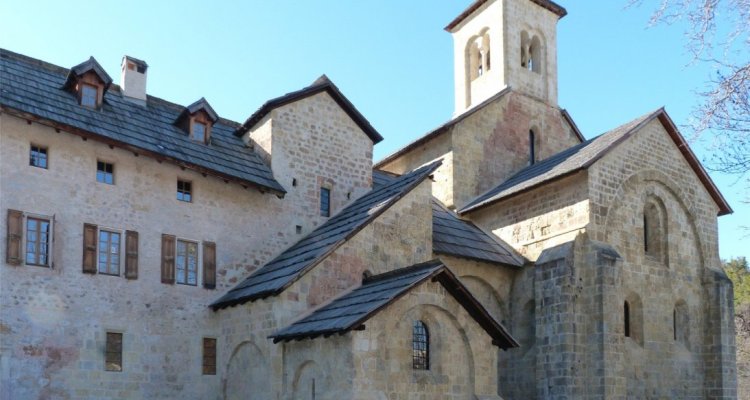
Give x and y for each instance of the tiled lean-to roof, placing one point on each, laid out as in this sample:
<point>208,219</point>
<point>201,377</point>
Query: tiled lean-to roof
<point>351,310</point>
<point>32,89</point>
<point>582,156</point>
<point>291,264</point>
<point>456,237</point>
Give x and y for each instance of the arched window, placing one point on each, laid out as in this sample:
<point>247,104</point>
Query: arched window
<point>420,345</point>
<point>531,52</point>
<point>478,55</point>
<point>655,230</point>
<point>626,317</point>
<point>532,147</point>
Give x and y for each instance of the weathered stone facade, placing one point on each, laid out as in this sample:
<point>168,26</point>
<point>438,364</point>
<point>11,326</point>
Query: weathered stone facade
<point>620,294</point>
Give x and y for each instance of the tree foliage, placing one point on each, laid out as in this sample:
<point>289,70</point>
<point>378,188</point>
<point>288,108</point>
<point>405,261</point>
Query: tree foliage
<point>718,32</point>
<point>739,272</point>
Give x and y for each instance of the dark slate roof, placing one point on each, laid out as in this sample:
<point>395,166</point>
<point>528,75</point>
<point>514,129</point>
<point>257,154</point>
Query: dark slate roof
<point>382,178</point>
<point>351,310</point>
<point>456,237</point>
<point>550,5</point>
<point>583,155</point>
<point>32,89</point>
<point>294,262</point>
<point>321,84</point>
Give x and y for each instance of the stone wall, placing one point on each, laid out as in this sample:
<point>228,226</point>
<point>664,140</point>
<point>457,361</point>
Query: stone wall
<point>697,359</point>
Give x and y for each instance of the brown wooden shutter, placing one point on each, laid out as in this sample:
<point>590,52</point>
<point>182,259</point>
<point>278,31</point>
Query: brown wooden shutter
<point>89,249</point>
<point>167,258</point>
<point>131,255</point>
<point>209,265</point>
<point>15,234</point>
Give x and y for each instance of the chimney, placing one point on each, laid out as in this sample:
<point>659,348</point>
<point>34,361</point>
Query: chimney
<point>133,79</point>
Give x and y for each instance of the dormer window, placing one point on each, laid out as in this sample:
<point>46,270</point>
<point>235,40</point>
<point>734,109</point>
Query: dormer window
<point>89,94</point>
<point>197,120</point>
<point>88,81</point>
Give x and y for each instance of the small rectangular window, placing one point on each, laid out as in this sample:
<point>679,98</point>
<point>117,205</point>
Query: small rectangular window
<point>209,356</point>
<point>88,95</point>
<point>325,202</point>
<point>186,263</point>
<point>105,172</point>
<point>199,131</point>
<point>109,252</point>
<point>184,191</point>
<point>37,241</point>
<point>38,157</point>
<point>113,352</point>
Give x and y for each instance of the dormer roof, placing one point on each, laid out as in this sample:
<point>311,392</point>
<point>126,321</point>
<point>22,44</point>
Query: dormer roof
<point>200,105</point>
<point>90,65</point>
<point>319,85</point>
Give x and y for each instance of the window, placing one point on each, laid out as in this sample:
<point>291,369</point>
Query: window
<point>626,317</point>
<point>420,345</point>
<point>532,147</point>
<point>37,241</point>
<point>38,157</point>
<point>89,95</point>
<point>681,323</point>
<point>105,172</point>
<point>199,131</point>
<point>531,53</point>
<point>109,252</point>
<point>184,191</point>
<point>209,356</point>
<point>113,352</point>
<point>187,263</point>
<point>29,239</point>
<point>655,230</point>
<point>325,202</point>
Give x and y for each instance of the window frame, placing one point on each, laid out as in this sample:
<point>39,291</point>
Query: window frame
<point>82,96</point>
<point>189,190</point>
<point>198,261</point>
<point>120,246</point>
<point>38,150</point>
<point>111,172</point>
<point>325,212</point>
<point>119,353</point>
<point>50,238</point>
<point>208,368</point>
<point>420,362</point>
<point>195,122</point>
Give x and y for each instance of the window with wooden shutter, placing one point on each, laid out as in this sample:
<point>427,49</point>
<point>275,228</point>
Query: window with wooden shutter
<point>167,258</point>
<point>209,356</point>
<point>131,255</point>
<point>14,237</point>
<point>209,265</point>
<point>89,248</point>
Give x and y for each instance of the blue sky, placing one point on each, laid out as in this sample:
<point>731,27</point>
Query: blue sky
<point>390,57</point>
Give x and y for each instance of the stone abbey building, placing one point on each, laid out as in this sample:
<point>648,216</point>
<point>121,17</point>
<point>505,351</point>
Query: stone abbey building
<point>152,250</point>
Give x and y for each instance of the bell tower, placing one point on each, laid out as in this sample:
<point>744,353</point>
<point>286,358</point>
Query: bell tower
<point>499,43</point>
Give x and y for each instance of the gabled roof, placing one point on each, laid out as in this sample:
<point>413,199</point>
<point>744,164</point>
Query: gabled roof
<point>582,156</point>
<point>351,310</point>
<point>294,262</point>
<point>89,65</point>
<point>201,104</point>
<point>456,237</point>
<point>552,6</point>
<point>321,84</point>
<point>31,90</point>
